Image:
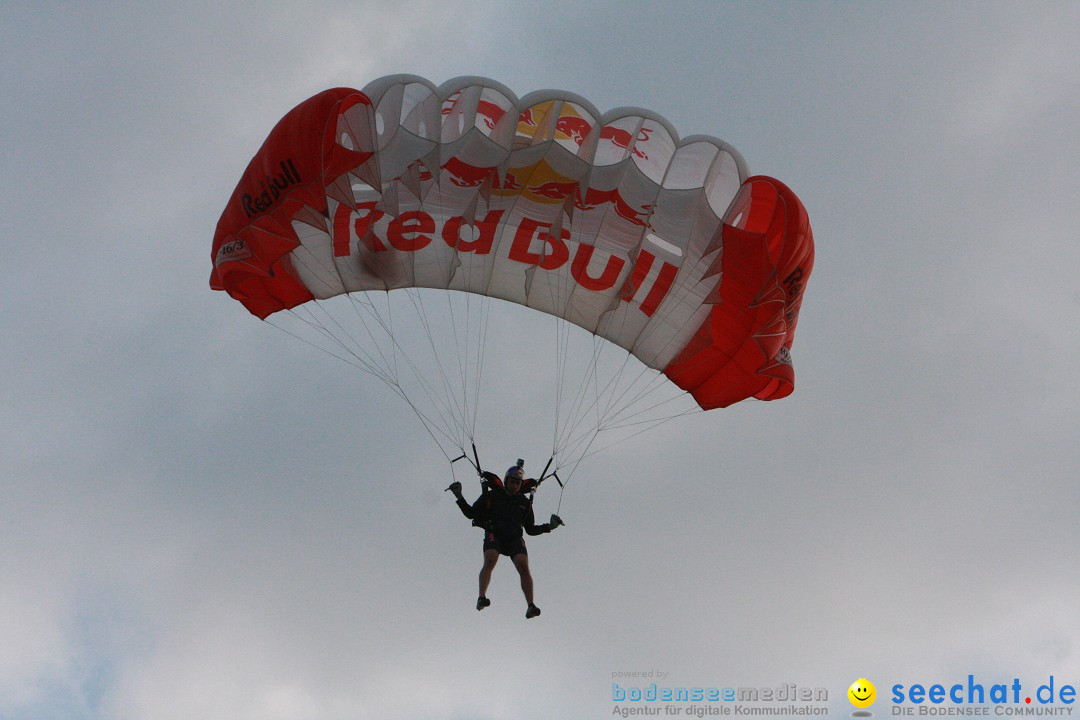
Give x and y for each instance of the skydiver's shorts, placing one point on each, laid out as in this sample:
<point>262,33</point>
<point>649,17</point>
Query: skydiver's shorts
<point>505,546</point>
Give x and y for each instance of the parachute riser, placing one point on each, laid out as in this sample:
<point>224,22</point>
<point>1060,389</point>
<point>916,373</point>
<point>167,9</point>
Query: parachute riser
<point>474,461</point>
<point>544,475</point>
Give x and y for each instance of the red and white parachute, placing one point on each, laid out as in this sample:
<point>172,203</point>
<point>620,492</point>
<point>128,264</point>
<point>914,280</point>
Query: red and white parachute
<point>609,222</point>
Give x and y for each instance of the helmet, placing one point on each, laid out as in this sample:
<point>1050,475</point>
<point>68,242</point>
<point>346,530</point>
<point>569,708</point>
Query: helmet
<point>515,472</point>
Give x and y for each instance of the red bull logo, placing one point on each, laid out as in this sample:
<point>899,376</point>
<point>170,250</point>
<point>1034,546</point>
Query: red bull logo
<point>448,103</point>
<point>626,140</point>
<point>463,174</point>
<point>509,183</point>
<point>422,173</point>
<point>595,198</point>
<point>554,190</point>
<point>487,112</point>
<point>528,118</point>
<point>573,127</point>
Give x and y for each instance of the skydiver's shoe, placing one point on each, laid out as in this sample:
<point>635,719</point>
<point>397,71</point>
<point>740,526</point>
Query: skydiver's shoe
<point>482,602</point>
<point>532,612</point>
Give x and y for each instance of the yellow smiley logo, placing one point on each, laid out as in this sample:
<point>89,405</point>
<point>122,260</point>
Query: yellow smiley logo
<point>862,693</point>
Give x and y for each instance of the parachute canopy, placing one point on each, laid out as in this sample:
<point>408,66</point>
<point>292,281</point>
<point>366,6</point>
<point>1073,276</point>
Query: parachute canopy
<point>609,221</point>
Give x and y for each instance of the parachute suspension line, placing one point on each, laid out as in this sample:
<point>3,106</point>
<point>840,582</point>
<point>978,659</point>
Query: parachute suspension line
<point>462,367</point>
<point>461,352</point>
<point>353,360</point>
<point>558,390</point>
<point>573,418</point>
<point>369,363</point>
<point>649,425</point>
<point>356,357</point>
<point>385,320</point>
<point>470,354</point>
<point>386,367</point>
<point>568,420</point>
<point>451,404</point>
<point>561,352</point>
<point>646,415</point>
<point>618,405</point>
<point>386,371</point>
<point>629,412</point>
<point>590,378</point>
<point>573,441</point>
<point>363,305</point>
<point>389,326</point>
<point>430,425</point>
<point>447,402</point>
<point>481,344</point>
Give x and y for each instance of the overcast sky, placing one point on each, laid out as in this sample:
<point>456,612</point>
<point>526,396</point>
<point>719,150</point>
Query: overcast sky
<point>202,518</point>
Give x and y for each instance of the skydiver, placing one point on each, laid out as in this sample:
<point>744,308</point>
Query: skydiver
<point>504,511</point>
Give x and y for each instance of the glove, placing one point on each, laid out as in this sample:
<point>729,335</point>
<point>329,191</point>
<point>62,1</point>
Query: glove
<point>455,487</point>
<point>555,521</point>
